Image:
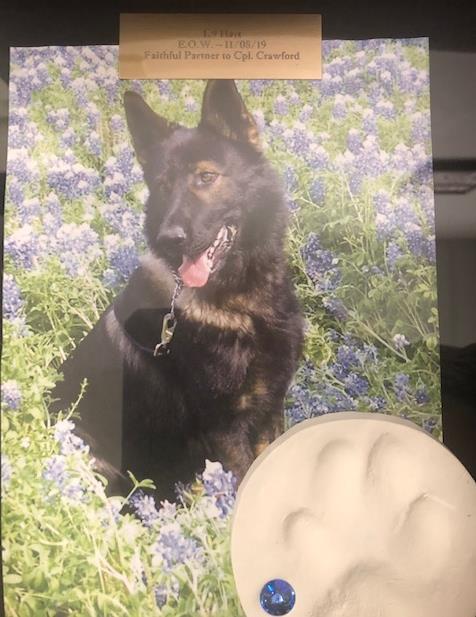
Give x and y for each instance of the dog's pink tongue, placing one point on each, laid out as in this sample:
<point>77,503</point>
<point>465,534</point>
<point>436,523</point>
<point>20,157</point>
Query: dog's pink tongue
<point>195,273</point>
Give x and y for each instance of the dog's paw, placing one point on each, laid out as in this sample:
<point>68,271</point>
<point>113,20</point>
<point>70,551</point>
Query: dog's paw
<point>363,516</point>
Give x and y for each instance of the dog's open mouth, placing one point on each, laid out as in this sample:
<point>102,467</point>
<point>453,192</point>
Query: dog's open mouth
<point>195,272</point>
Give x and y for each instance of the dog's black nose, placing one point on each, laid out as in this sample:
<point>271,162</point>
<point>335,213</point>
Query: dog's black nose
<point>171,238</point>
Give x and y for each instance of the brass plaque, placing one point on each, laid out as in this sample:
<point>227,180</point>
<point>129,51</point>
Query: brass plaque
<point>235,46</point>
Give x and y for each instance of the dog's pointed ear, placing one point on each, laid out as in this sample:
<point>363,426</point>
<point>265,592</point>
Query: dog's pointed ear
<point>223,111</point>
<point>145,126</point>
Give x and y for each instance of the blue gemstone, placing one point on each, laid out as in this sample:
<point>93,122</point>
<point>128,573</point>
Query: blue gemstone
<point>277,597</point>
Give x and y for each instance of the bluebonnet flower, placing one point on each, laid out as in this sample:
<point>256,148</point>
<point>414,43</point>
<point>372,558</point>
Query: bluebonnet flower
<point>15,191</point>
<point>401,386</point>
<point>298,138</point>
<point>400,341</point>
<point>69,442</point>
<point>336,307</point>
<point>116,183</point>
<point>92,115</point>
<point>293,97</point>
<point>93,143</point>
<point>317,191</point>
<point>340,106</point>
<point>22,167</point>
<point>164,593</point>
<point>12,300</point>
<point>420,126</point>
<point>303,404</point>
<point>68,138</point>
<point>356,385</point>
<point>124,159</point>
<point>122,255</point>
<point>52,214</point>
<point>354,140</point>
<point>6,471</point>
<point>290,178</point>
<point>55,470</point>
<point>11,394</point>
<point>72,180</point>
<point>392,254</point>
<point>305,112</point>
<point>22,246</point>
<point>220,485</point>
<point>276,129</point>
<point>59,118</point>
<point>25,136</point>
<point>144,507</point>
<point>320,264</point>
<point>368,121</point>
<point>257,86</point>
<point>353,82</point>
<point>56,473</point>
<point>421,396</point>
<point>117,123</point>
<point>371,160</point>
<point>77,247</point>
<point>29,209</point>
<point>281,105</point>
<point>172,548</point>
<point>164,87</point>
<point>429,425</point>
<point>385,108</point>
<point>316,156</point>
<point>18,116</point>
<point>311,396</point>
<point>376,403</point>
<point>167,510</point>
<point>348,356</point>
<point>331,84</point>
<point>74,491</point>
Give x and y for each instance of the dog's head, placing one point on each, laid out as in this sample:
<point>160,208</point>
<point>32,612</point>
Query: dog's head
<point>214,201</point>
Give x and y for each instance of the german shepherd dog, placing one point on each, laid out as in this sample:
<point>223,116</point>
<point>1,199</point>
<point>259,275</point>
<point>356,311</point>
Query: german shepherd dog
<point>194,357</point>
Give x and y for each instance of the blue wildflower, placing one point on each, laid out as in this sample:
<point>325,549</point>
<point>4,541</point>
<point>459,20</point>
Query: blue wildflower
<point>22,246</point>
<point>173,548</point>
<point>392,254</point>
<point>123,256</point>
<point>317,191</point>
<point>12,300</point>
<point>220,485</point>
<point>320,264</point>
<point>257,86</point>
<point>164,593</point>
<point>144,507</point>
<point>429,425</point>
<point>421,396</point>
<point>356,385</point>
<point>401,385</point>
<point>69,442</point>
<point>55,470</point>
<point>11,394</point>
<point>354,140</point>
<point>280,105</point>
<point>376,403</point>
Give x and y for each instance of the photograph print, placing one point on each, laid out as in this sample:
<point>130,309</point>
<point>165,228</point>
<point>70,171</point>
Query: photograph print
<point>191,268</point>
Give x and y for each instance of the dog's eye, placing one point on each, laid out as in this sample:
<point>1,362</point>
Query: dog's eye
<point>207,177</point>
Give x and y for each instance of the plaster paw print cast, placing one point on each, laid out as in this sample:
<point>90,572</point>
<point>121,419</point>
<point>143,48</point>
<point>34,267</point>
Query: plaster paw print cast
<point>356,515</point>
